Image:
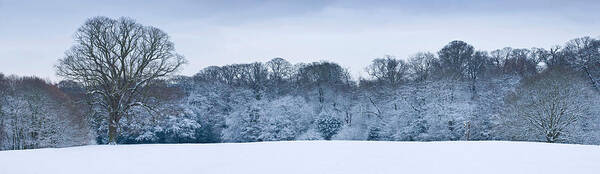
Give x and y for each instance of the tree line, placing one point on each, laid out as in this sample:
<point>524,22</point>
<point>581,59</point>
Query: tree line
<point>119,87</point>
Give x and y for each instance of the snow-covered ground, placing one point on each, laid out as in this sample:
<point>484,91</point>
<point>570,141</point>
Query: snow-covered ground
<point>303,157</point>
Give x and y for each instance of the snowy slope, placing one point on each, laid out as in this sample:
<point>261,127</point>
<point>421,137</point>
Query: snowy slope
<point>344,157</point>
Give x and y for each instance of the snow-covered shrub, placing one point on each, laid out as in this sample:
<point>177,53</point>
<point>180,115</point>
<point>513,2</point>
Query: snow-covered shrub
<point>310,134</point>
<point>328,125</point>
<point>244,125</point>
<point>350,133</point>
<point>285,119</point>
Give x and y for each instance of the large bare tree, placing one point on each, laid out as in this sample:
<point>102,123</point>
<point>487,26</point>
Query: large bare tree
<point>454,58</point>
<point>116,59</point>
<point>388,70</point>
<point>422,65</point>
<point>550,103</point>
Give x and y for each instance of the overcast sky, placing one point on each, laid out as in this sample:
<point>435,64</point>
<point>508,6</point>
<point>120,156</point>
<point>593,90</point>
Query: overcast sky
<point>34,34</point>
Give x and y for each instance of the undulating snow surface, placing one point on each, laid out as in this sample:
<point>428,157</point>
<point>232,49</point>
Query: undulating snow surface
<point>302,157</point>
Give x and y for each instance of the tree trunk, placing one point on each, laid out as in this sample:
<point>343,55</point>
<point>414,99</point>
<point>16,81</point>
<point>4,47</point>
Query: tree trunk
<point>321,95</point>
<point>594,83</point>
<point>473,90</point>
<point>552,136</point>
<point>113,122</point>
<point>467,130</point>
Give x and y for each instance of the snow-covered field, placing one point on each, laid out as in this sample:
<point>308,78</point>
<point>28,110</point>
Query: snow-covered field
<point>303,157</point>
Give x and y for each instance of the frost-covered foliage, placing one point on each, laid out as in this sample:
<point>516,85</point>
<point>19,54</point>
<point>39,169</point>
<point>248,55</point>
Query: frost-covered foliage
<point>459,93</point>
<point>285,119</point>
<point>36,114</point>
<point>319,101</point>
<point>281,119</point>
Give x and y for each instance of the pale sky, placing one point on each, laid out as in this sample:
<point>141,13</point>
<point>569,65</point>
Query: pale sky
<point>34,34</point>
